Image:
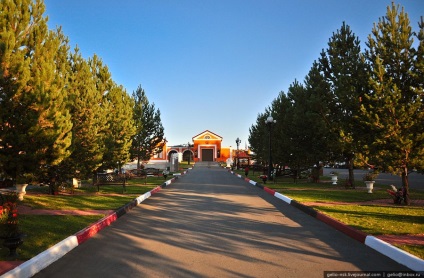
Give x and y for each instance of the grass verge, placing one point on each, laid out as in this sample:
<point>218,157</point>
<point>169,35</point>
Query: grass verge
<point>381,220</point>
<point>44,231</point>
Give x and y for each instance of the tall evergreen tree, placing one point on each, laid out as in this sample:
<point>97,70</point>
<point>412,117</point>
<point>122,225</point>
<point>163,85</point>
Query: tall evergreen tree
<point>280,111</point>
<point>121,127</point>
<point>393,109</point>
<point>35,124</point>
<point>304,129</point>
<point>104,84</point>
<point>149,135</point>
<point>344,69</point>
<point>88,117</point>
<point>317,109</point>
<point>258,139</point>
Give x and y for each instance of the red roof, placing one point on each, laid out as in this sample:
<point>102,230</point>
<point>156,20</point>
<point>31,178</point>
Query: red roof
<point>243,155</point>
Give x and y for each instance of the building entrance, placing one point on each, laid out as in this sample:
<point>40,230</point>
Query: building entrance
<point>207,155</point>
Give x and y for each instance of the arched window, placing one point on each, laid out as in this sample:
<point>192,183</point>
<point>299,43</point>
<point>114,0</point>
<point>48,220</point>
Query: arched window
<point>170,155</point>
<point>187,154</point>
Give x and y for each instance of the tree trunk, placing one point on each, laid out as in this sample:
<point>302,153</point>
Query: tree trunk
<point>351,174</point>
<point>52,188</point>
<point>138,162</point>
<point>405,185</point>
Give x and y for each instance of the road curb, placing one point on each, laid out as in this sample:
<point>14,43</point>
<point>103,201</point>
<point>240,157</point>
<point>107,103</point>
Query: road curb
<point>396,254</point>
<point>36,264</point>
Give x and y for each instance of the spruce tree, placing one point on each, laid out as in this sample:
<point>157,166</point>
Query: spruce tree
<point>149,135</point>
<point>393,108</point>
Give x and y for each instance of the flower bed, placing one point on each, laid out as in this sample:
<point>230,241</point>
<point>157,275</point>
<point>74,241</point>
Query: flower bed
<point>9,215</point>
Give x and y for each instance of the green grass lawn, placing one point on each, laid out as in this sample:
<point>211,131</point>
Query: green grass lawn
<point>382,220</point>
<point>44,231</point>
<point>379,220</point>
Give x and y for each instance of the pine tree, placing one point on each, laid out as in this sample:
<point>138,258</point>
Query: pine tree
<point>318,99</point>
<point>103,82</point>
<point>279,110</point>
<point>88,117</point>
<point>393,109</point>
<point>304,129</point>
<point>258,139</point>
<point>344,69</point>
<point>149,135</point>
<point>35,124</point>
<point>121,127</point>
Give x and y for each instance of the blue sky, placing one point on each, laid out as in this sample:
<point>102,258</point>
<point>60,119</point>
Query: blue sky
<point>212,64</point>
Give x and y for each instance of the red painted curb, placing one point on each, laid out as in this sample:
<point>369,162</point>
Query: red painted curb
<point>93,229</point>
<point>353,233</point>
<point>155,190</point>
<point>270,191</point>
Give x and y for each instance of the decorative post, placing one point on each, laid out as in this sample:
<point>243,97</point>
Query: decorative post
<point>238,141</point>
<point>269,122</point>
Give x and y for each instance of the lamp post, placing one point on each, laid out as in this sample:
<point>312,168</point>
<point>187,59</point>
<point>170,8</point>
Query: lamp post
<point>189,153</point>
<point>269,122</point>
<point>238,141</point>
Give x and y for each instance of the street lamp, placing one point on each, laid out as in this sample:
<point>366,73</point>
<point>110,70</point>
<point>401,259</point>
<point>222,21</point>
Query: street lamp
<point>269,122</point>
<point>238,141</point>
<point>189,153</point>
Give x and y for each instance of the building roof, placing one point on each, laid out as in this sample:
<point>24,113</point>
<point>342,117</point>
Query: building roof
<point>207,132</point>
<point>243,155</point>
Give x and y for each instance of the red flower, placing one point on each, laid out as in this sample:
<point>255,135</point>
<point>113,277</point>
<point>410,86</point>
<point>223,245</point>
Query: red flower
<point>9,216</point>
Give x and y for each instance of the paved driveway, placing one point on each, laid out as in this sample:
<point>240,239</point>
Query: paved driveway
<point>212,224</point>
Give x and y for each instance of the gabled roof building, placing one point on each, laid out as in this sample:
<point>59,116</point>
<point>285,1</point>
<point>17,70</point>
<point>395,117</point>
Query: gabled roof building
<point>206,146</point>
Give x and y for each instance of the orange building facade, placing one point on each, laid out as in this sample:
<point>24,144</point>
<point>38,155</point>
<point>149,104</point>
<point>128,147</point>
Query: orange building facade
<point>205,146</point>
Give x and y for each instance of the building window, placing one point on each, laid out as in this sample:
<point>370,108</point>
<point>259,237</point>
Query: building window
<point>207,137</point>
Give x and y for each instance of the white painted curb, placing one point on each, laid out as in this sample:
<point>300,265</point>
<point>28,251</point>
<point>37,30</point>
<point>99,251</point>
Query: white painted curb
<point>42,260</point>
<point>283,197</point>
<point>252,182</point>
<point>396,254</point>
<point>143,197</point>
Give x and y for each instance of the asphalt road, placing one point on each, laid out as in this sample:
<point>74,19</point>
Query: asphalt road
<point>210,223</point>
